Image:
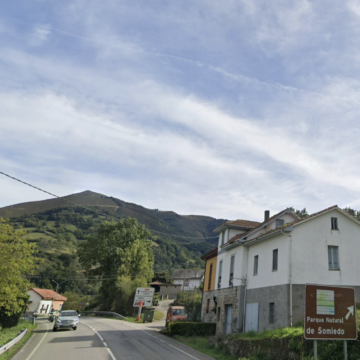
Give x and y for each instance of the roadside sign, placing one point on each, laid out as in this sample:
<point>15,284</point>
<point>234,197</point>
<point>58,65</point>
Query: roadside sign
<point>144,294</point>
<point>330,313</point>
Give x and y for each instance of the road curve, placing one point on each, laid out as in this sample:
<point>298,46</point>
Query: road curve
<point>98,338</point>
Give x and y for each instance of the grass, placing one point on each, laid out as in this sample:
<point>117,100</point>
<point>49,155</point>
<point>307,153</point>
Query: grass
<point>270,334</point>
<point>7,335</point>
<point>157,316</point>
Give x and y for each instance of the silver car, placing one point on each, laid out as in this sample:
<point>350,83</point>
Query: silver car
<point>68,319</point>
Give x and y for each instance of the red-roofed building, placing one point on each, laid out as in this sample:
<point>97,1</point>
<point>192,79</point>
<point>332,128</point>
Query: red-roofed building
<point>43,301</point>
<point>261,271</point>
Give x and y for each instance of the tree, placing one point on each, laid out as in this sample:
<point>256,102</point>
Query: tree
<point>119,250</point>
<point>191,300</point>
<point>17,259</point>
<point>300,213</point>
<point>163,277</point>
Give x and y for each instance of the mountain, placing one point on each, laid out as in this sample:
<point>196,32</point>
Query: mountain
<point>162,221</point>
<point>58,225</point>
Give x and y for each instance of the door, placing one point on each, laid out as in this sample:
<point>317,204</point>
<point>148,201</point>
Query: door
<point>228,310</point>
<point>252,317</point>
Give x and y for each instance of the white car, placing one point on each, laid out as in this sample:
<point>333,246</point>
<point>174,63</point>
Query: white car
<point>68,319</point>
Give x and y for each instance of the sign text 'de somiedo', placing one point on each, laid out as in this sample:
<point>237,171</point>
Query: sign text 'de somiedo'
<point>330,313</point>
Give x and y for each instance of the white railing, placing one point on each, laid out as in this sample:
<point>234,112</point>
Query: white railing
<point>13,342</point>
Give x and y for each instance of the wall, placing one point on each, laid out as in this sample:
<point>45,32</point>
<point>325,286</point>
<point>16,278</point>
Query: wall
<point>230,296</point>
<point>310,241</point>
<point>35,301</point>
<point>44,304</point>
<point>227,235</point>
<point>169,291</point>
<point>279,295</point>
<point>208,314</point>
<point>193,283</point>
<point>210,262</point>
<point>238,268</point>
<point>266,276</point>
<point>58,304</point>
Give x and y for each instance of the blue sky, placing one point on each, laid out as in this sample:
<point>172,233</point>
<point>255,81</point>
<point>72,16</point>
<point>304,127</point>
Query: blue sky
<point>203,107</point>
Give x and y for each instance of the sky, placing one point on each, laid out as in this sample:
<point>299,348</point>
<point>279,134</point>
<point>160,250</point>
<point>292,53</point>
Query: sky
<point>203,107</point>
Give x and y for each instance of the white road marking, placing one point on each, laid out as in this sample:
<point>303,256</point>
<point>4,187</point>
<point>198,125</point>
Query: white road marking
<point>134,327</point>
<point>105,344</point>
<point>98,335</point>
<point>37,346</point>
<point>111,354</point>
<point>174,347</point>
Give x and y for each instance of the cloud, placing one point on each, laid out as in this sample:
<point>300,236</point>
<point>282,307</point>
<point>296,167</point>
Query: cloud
<point>39,34</point>
<point>142,103</point>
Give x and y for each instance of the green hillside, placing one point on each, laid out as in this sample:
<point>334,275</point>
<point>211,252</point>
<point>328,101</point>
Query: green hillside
<point>58,225</point>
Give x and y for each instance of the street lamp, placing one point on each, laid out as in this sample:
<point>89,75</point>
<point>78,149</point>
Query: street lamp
<point>57,286</point>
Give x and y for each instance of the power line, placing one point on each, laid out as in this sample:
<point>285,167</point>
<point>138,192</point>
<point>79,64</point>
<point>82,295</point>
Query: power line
<point>99,212</point>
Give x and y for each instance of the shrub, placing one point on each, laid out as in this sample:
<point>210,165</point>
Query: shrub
<point>191,328</point>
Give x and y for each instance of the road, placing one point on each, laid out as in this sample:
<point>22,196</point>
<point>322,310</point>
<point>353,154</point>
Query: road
<point>108,339</point>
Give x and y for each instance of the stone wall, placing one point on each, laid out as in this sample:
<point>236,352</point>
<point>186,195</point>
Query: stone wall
<point>229,296</point>
<point>293,348</point>
<point>279,295</point>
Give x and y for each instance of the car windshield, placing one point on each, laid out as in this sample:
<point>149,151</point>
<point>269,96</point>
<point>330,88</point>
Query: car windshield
<point>68,313</point>
<point>179,312</point>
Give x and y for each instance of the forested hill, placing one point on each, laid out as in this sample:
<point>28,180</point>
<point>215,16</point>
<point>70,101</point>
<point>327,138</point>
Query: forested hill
<point>57,226</point>
<point>162,221</point>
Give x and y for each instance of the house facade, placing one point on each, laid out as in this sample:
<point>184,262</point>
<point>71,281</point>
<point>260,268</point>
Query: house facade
<point>166,291</point>
<point>208,311</point>
<point>261,274</point>
<point>43,301</point>
<point>188,279</point>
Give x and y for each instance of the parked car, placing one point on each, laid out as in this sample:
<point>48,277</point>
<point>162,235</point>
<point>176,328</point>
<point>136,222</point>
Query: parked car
<point>175,313</point>
<point>67,319</point>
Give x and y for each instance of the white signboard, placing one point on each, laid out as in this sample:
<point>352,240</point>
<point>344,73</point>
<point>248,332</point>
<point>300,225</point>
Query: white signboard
<point>144,294</point>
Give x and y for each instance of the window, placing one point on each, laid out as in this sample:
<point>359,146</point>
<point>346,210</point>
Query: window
<point>232,265</point>
<point>207,305</point>
<point>256,264</point>
<point>186,283</point>
<point>271,313</point>
<point>334,224</point>
<point>222,238</point>
<point>279,223</point>
<point>275,260</point>
<point>210,276</point>
<point>220,271</point>
<point>333,254</point>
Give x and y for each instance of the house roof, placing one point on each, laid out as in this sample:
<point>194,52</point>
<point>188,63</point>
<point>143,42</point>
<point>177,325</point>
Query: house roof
<point>47,294</point>
<point>238,224</point>
<point>301,221</point>
<point>211,254</point>
<point>261,225</point>
<point>188,274</point>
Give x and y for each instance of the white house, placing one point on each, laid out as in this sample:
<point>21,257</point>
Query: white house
<point>261,274</point>
<point>43,301</point>
<point>188,279</point>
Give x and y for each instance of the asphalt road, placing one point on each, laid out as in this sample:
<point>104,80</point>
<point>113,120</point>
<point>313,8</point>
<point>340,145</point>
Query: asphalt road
<point>98,338</point>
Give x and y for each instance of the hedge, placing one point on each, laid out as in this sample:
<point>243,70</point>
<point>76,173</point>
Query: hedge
<point>192,328</point>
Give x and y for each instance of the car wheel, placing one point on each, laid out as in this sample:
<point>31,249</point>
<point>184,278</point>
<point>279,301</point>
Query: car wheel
<point>74,328</point>
<point>54,329</point>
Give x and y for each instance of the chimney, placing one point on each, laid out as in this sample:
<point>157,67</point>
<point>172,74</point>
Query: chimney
<point>267,215</point>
